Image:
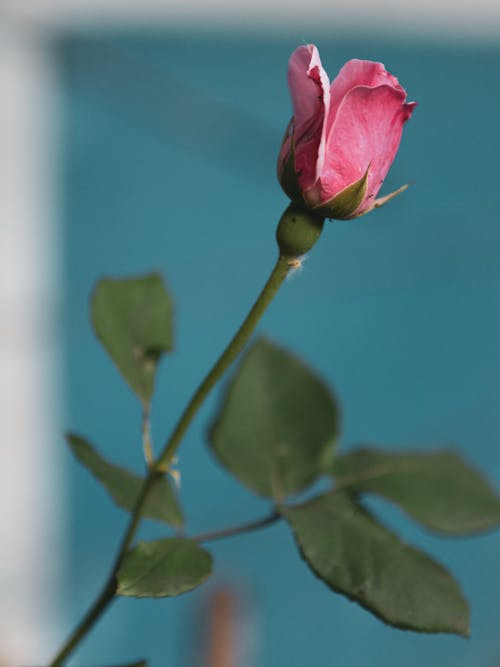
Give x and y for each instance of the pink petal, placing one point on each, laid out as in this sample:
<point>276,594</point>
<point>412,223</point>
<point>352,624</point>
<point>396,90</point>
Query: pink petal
<point>358,73</point>
<point>366,132</point>
<point>310,92</point>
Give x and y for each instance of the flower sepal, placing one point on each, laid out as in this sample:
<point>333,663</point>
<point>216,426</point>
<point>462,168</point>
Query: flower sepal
<point>344,205</point>
<point>288,176</point>
<point>381,201</point>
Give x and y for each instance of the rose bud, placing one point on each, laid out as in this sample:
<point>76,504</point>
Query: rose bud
<point>343,137</point>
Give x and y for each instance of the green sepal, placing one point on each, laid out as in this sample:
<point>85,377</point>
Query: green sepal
<point>345,203</point>
<point>124,487</point>
<point>382,201</point>
<point>288,176</point>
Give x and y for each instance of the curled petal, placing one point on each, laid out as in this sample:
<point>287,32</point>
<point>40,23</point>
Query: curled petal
<point>366,131</point>
<point>310,92</point>
<point>358,73</point>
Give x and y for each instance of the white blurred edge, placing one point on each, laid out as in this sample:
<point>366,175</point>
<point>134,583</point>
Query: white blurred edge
<point>30,489</point>
<point>480,18</point>
<point>30,481</point>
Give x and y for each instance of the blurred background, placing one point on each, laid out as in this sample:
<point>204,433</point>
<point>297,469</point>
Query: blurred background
<point>139,135</point>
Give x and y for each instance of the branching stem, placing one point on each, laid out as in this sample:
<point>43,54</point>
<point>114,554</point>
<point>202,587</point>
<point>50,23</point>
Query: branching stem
<point>239,529</point>
<point>158,468</point>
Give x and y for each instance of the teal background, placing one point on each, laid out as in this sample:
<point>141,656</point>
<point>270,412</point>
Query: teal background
<point>170,143</point>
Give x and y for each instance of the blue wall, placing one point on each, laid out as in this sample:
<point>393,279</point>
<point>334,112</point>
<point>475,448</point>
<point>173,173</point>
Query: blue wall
<point>169,163</point>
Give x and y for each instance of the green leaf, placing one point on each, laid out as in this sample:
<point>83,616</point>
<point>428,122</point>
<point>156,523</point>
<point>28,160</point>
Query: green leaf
<point>124,487</point>
<point>132,319</point>
<point>440,490</point>
<point>356,556</point>
<point>163,568</point>
<point>275,428</point>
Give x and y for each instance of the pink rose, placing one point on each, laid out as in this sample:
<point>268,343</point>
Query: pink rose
<point>343,137</point>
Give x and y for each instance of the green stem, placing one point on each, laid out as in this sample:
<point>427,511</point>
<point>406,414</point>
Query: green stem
<point>278,275</point>
<point>239,529</point>
<point>101,603</point>
<point>280,272</point>
<point>107,594</point>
